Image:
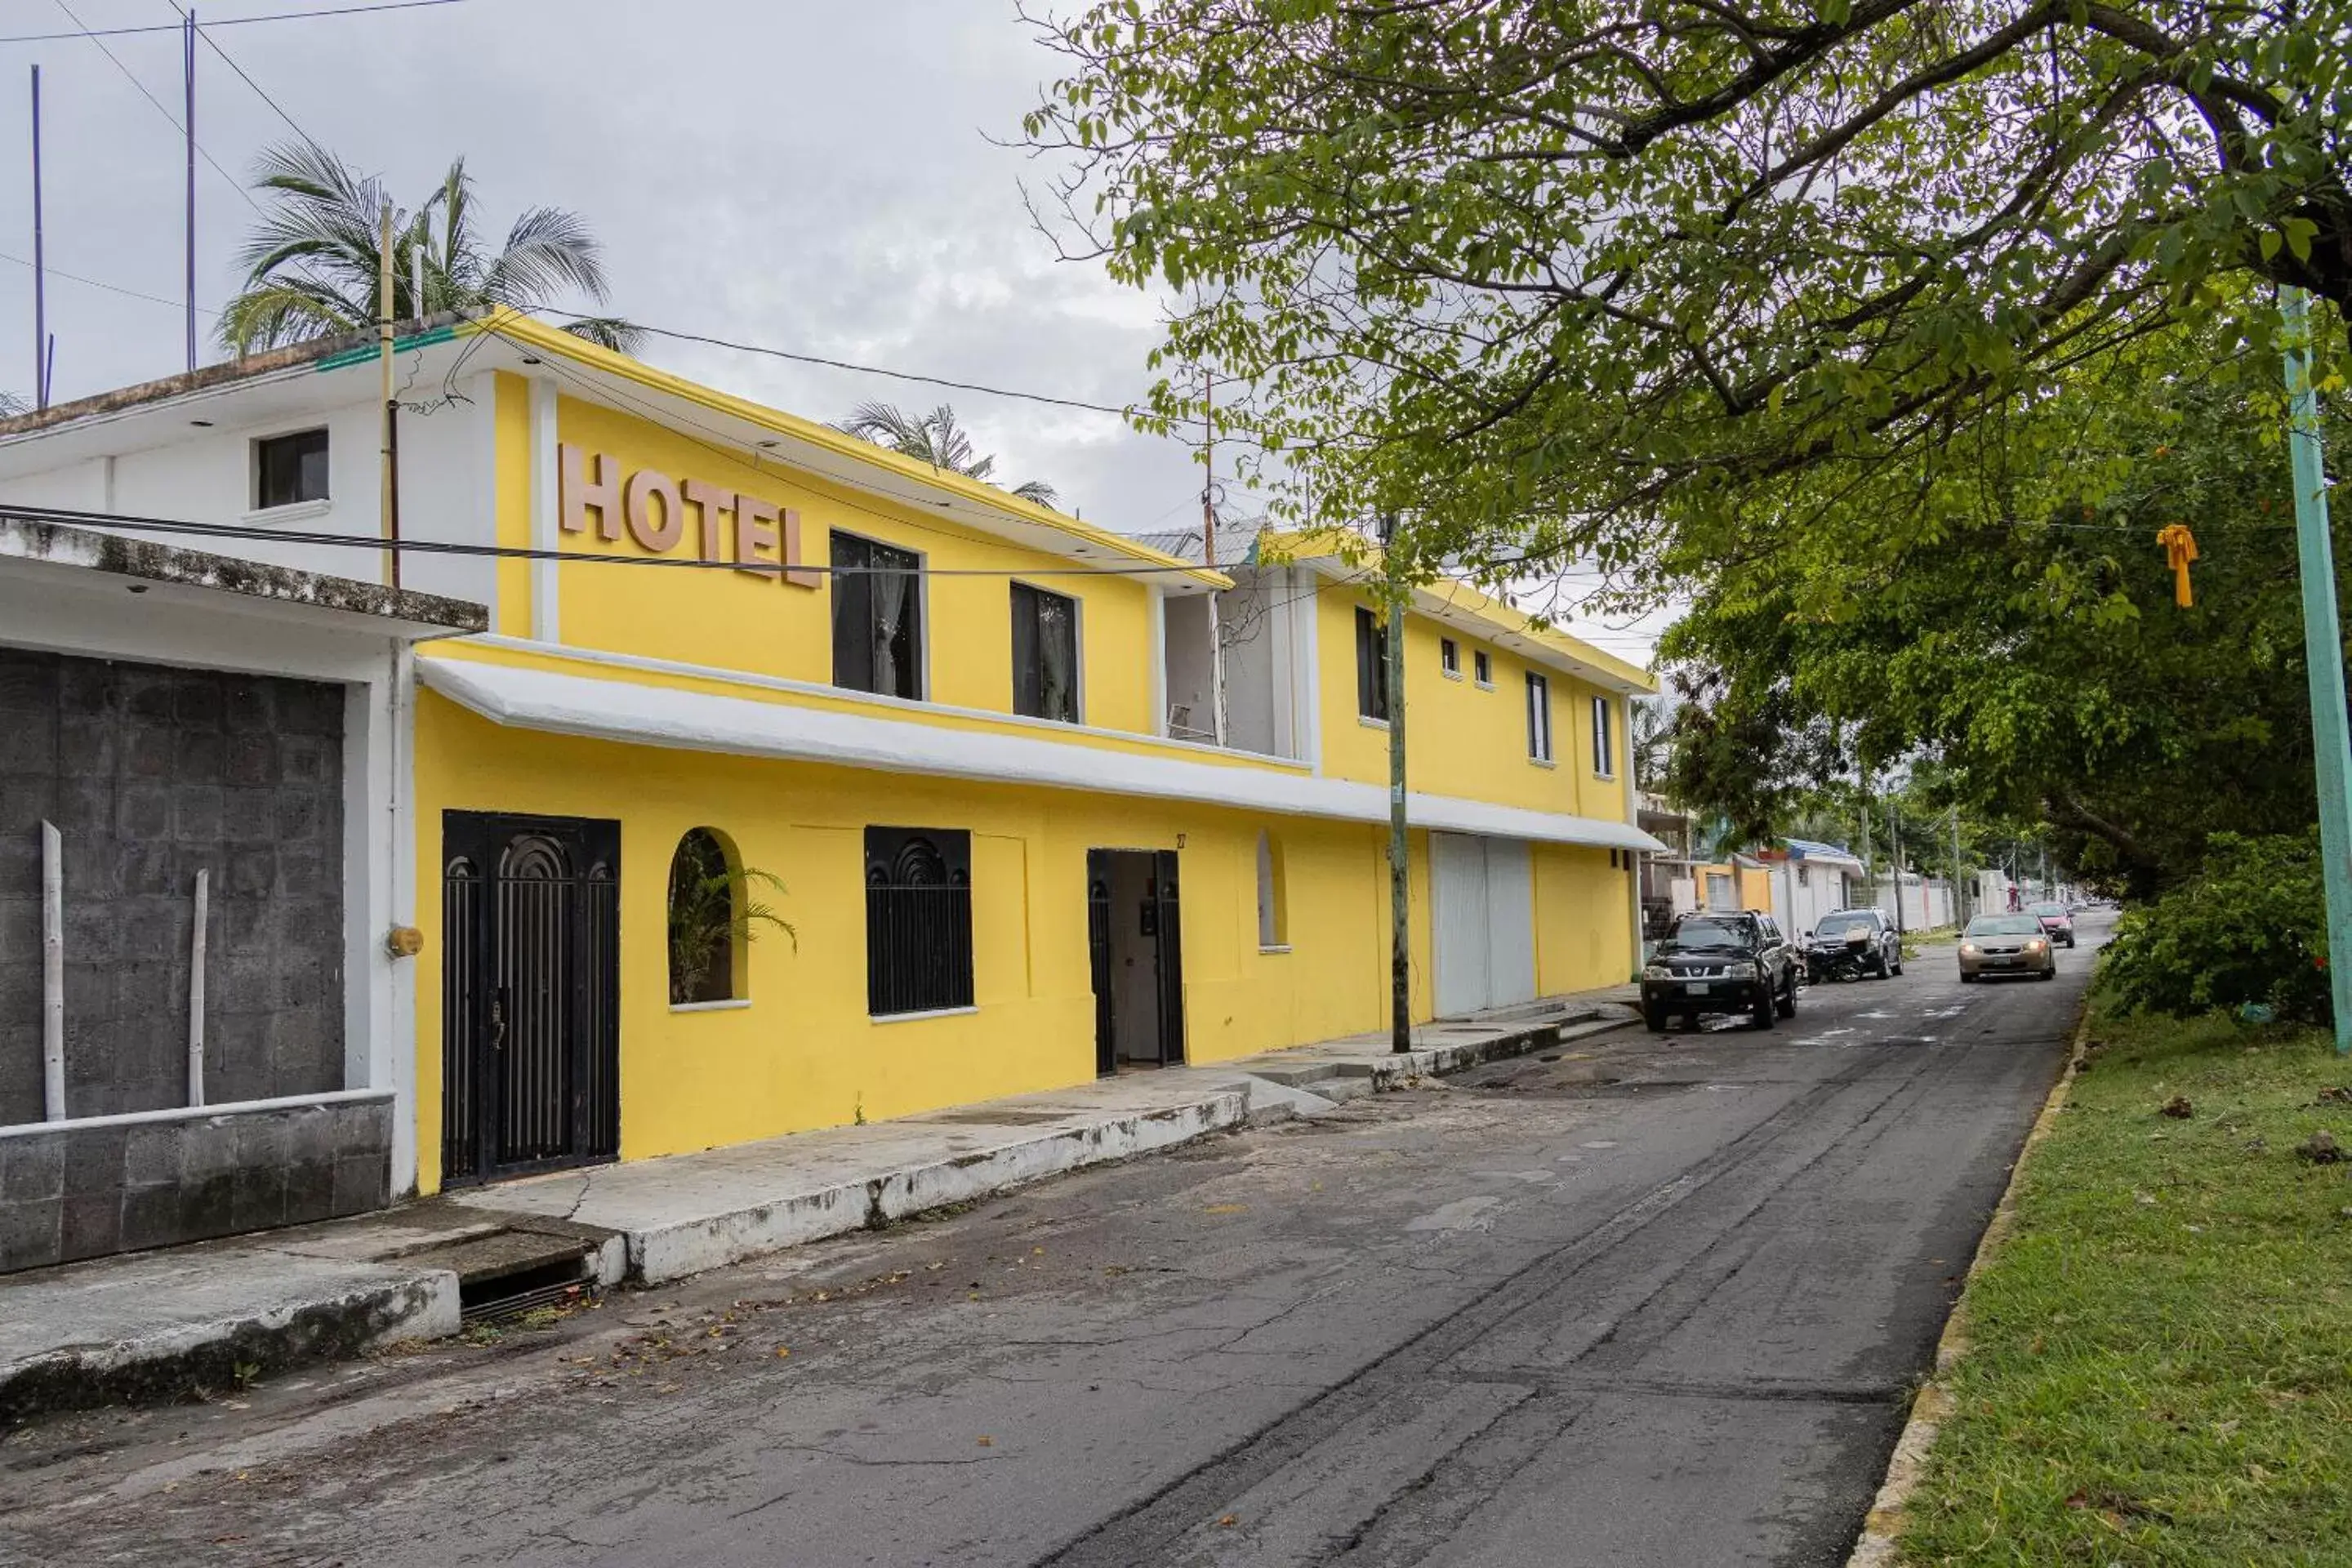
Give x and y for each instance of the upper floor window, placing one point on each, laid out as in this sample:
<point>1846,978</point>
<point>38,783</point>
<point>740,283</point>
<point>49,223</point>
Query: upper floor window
<point>917,920</point>
<point>1604,740</point>
<point>1482,668</point>
<point>1045,654</point>
<point>1371,666</point>
<point>1538,718</point>
<point>289,469</point>
<point>877,618</point>
<point>1449,657</point>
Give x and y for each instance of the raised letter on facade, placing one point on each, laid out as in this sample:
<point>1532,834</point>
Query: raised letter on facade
<point>580,493</point>
<point>713,500</point>
<point>647,484</point>
<point>755,535</point>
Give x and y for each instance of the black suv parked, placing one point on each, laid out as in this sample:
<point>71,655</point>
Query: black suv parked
<point>1721,963</point>
<point>1851,943</point>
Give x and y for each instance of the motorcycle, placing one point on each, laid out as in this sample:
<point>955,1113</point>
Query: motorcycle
<point>1848,959</point>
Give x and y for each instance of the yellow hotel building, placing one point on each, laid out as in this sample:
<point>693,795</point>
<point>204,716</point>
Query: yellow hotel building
<point>1037,801</point>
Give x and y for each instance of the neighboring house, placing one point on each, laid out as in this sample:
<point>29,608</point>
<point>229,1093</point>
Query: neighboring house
<point>1808,880</point>
<point>978,743</point>
<point>182,733</point>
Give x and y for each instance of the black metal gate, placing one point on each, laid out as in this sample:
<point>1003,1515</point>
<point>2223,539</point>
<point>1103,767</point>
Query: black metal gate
<point>1159,921</point>
<point>530,994</point>
<point>1099,956</point>
<point>1169,958</point>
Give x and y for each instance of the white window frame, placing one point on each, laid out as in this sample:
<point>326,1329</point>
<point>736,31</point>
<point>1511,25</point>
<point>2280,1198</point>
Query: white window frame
<point>1482,664</point>
<point>1538,718</point>
<point>1604,740</point>
<point>1449,658</point>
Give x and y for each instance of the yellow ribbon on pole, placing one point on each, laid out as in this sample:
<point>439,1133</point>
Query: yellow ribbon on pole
<point>2180,550</point>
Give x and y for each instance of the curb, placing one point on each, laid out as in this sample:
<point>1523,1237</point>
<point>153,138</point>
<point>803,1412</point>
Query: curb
<point>1881,1527</point>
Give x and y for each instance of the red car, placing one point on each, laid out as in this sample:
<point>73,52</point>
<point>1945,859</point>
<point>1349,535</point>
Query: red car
<point>2057,923</point>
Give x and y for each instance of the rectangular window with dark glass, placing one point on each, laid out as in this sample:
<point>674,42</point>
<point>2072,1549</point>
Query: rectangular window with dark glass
<point>917,920</point>
<point>1538,718</point>
<point>1482,668</point>
<point>1371,666</point>
<point>1045,654</point>
<point>1604,740</point>
<point>1449,657</point>
<point>289,469</point>
<point>877,618</point>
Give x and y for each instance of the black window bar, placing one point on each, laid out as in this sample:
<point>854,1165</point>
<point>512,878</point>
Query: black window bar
<point>917,920</point>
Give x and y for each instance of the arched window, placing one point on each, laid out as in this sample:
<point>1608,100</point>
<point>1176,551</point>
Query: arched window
<point>1273,919</point>
<point>710,918</point>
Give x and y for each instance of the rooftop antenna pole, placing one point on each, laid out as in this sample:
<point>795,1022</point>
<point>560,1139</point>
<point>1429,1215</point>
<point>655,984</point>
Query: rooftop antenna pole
<point>188,81</point>
<point>390,505</point>
<point>40,272</point>
<point>1209,546</point>
<point>1400,843</point>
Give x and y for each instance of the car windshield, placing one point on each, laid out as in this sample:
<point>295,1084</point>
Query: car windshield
<point>1711,934</point>
<point>1838,925</point>
<point>2046,908</point>
<point>2004,925</point>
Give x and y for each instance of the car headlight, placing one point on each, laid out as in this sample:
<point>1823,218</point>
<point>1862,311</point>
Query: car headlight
<point>1967,950</point>
<point>2036,945</point>
<point>1656,972</point>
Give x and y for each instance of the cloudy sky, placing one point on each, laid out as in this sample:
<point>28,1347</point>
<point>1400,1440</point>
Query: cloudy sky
<point>811,176</point>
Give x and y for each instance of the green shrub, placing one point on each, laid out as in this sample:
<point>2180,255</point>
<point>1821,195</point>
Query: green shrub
<point>2250,927</point>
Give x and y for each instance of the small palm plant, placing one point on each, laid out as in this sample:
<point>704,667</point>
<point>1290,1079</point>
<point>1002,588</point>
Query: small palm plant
<point>313,268</point>
<point>710,909</point>
<point>935,438</point>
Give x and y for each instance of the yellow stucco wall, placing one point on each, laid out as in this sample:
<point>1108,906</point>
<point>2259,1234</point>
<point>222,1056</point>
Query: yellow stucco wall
<point>804,1054</point>
<point>765,625</point>
<point>1462,738</point>
<point>1584,919</point>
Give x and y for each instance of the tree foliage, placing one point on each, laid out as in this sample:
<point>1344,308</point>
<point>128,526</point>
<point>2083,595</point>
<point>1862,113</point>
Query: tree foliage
<point>2251,928</point>
<point>935,438</point>
<point>1586,270</point>
<point>2029,644</point>
<point>313,268</point>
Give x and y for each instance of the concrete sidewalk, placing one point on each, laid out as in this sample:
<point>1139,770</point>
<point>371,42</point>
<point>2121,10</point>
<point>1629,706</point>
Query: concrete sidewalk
<point>156,1323</point>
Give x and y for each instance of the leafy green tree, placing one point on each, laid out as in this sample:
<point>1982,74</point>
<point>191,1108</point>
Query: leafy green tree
<point>2030,645</point>
<point>2250,927</point>
<point>1591,272</point>
<point>312,267</point>
<point>935,438</point>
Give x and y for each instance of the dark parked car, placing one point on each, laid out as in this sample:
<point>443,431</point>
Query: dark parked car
<point>1851,943</point>
<point>1720,962</point>
<point>2057,921</point>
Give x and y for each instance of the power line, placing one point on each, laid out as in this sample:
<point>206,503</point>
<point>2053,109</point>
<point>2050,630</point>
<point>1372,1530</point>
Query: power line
<point>55,271</point>
<point>799,358</point>
<point>227,21</point>
<point>169,117</point>
<point>204,31</point>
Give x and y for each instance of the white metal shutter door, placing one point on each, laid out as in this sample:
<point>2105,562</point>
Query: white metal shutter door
<point>1458,878</point>
<point>1510,924</point>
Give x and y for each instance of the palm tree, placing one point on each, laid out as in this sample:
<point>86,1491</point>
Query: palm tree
<point>312,262</point>
<point>935,438</point>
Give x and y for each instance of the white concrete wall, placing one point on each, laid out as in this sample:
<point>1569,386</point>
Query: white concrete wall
<point>206,476</point>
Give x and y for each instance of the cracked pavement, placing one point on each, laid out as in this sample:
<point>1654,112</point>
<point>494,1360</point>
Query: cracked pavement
<point>1641,1300</point>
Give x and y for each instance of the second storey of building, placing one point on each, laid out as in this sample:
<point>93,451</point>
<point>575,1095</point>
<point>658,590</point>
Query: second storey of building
<point>636,533</point>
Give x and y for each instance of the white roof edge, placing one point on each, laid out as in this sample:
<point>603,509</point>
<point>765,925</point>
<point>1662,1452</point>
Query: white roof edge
<point>704,721</point>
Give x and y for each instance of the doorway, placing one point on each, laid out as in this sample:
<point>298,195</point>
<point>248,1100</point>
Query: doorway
<point>1136,945</point>
<point>530,994</point>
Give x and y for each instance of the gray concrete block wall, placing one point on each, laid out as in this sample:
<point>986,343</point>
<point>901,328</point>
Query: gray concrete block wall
<point>86,1192</point>
<point>150,773</point>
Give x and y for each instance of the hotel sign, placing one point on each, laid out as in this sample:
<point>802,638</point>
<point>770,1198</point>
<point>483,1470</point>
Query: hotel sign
<point>759,537</point>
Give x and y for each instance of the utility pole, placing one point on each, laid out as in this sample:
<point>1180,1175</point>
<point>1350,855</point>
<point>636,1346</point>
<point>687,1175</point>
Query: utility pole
<point>1959,898</point>
<point>188,125</point>
<point>2323,645</point>
<point>1400,864</point>
<point>1869,870</point>
<point>390,527</point>
<point>1208,549</point>
<point>40,268</point>
<point>1895,858</point>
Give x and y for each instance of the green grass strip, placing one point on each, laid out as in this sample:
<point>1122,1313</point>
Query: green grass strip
<point>2159,1355</point>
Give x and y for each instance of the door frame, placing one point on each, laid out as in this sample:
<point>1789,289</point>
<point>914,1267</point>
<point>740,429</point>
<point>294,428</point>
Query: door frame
<point>1167,954</point>
<point>592,1049</point>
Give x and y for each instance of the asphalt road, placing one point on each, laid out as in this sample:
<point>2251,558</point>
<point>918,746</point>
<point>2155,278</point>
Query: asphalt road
<point>1655,1301</point>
